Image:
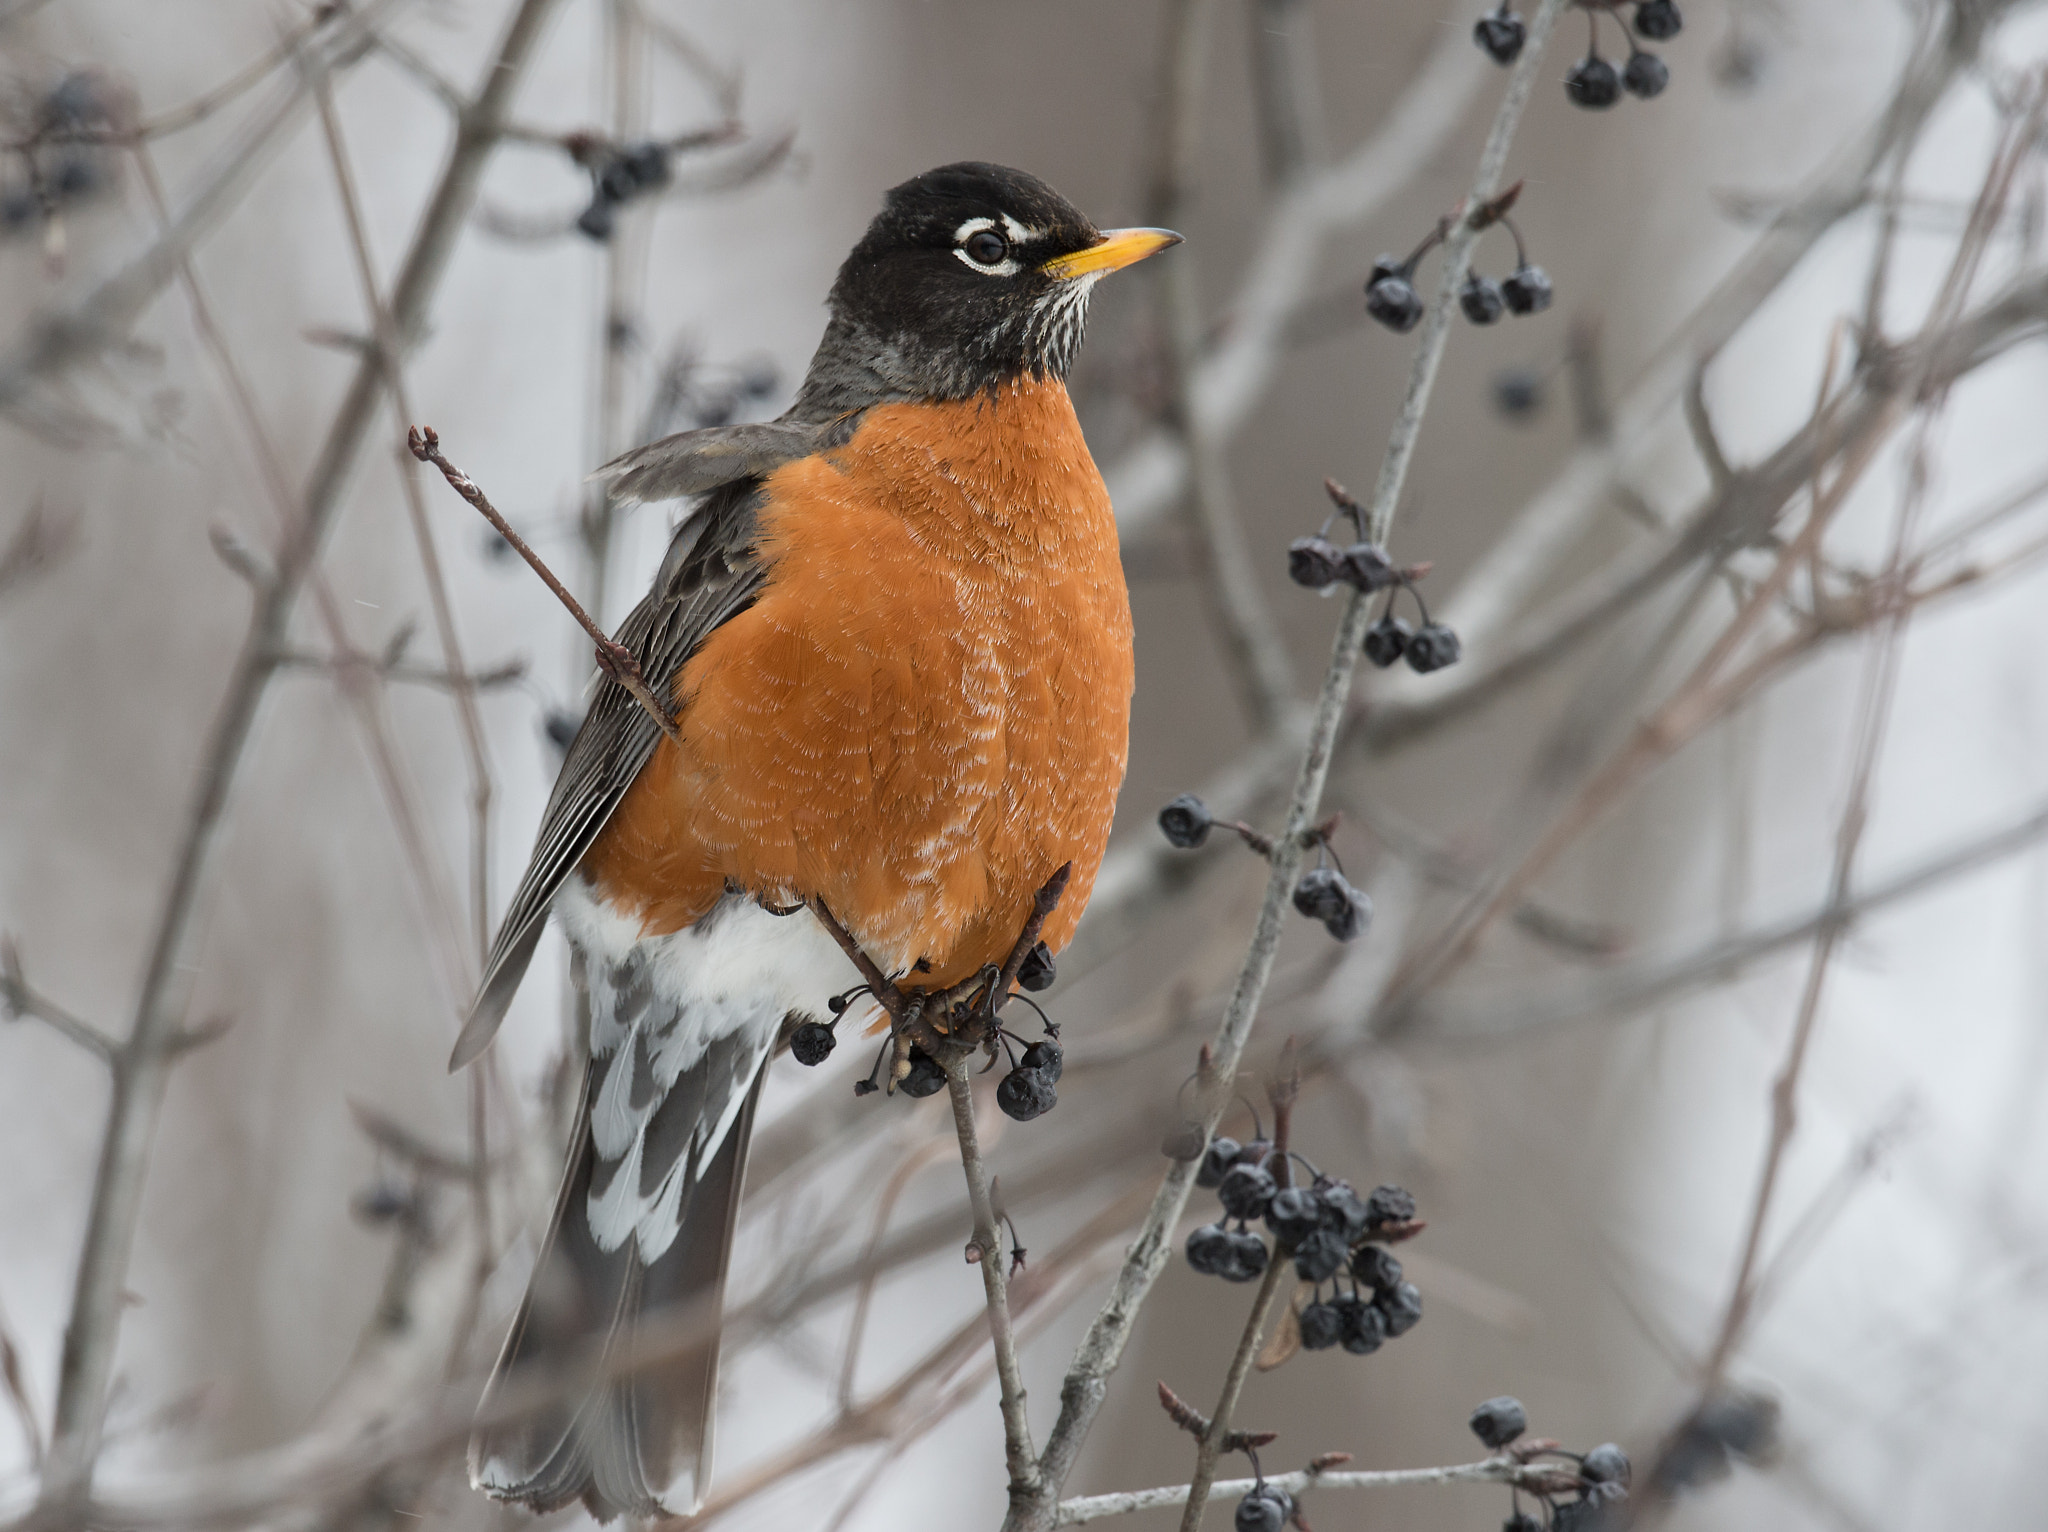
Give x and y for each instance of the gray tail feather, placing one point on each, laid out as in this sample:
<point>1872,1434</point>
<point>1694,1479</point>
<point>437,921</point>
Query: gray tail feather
<point>639,1443</point>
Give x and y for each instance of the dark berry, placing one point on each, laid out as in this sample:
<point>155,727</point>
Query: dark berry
<point>1343,1209</point>
<point>1365,1328</point>
<point>1575,1516</point>
<point>1367,567</point>
<point>1528,290</point>
<point>1645,75</point>
<point>597,220</point>
<point>1605,1464</point>
<point>1480,298</point>
<point>1393,301</point>
<point>1521,1521</point>
<point>1593,83</point>
<point>1320,1256</point>
<point>1209,1249</point>
<point>1388,1204</point>
<point>925,1077</point>
<point>812,1043</point>
<point>1246,1191</point>
<point>1294,1214</point>
<point>1025,1094</point>
<point>1321,1327</point>
<point>1247,1257</point>
<point>560,725</point>
<point>1387,640</point>
<point>1517,391</point>
<point>1314,562</point>
<point>647,164</point>
<point>1499,1420</point>
<point>1350,922</point>
<point>1658,20</point>
<point>1401,1306</point>
<point>1501,35</point>
<point>1222,1153</point>
<point>1386,266</point>
<point>1432,648</point>
<point>1037,971</point>
<point>1321,893</point>
<point>1264,1509</point>
<point>1045,1057</point>
<point>1185,822</point>
<point>1375,1266</point>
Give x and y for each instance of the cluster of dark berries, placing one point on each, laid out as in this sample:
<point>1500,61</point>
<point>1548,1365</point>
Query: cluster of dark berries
<point>1316,562</point>
<point>1322,893</point>
<point>1391,298</point>
<point>1596,84</point>
<point>1602,1475</point>
<point>1265,1508</point>
<point>618,174</point>
<point>1331,1233</point>
<point>63,152</point>
<point>1027,1091</point>
<point>1732,1425</point>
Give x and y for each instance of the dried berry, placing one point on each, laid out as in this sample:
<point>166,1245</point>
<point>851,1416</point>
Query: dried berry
<point>925,1077</point>
<point>1185,822</point>
<point>1658,20</point>
<point>1264,1509</point>
<point>1314,562</point>
<point>1045,1057</point>
<point>1321,1327</point>
<point>1388,1204</point>
<point>1501,35</point>
<point>1593,83</point>
<point>1387,640</point>
<point>1365,1328</point>
<point>1481,299</point>
<point>1517,391</point>
<point>1527,289</point>
<point>1037,971</point>
<point>1246,1191</point>
<point>1401,1307</point>
<point>1645,75</point>
<point>1025,1094</point>
<point>1393,301</point>
<point>1605,1464</point>
<point>1221,1154</point>
<point>1343,1209</point>
<point>1247,1257</point>
<point>1432,647</point>
<point>1374,1266</point>
<point>1320,893</point>
<point>1209,1249</point>
<point>598,220</point>
<point>1320,1256</point>
<point>1499,1420</point>
<point>811,1043</point>
<point>1521,1521</point>
<point>1294,1214</point>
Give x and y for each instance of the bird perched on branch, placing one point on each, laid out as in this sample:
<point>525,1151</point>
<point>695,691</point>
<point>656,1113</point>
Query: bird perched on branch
<point>895,635</point>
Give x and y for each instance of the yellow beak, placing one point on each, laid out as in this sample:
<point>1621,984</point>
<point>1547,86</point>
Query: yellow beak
<point>1116,249</point>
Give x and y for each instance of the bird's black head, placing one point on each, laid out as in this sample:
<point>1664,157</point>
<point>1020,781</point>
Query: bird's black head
<point>970,276</point>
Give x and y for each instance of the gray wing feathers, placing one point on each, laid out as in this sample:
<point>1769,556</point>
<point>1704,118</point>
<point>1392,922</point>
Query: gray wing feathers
<point>697,462</point>
<point>709,576</point>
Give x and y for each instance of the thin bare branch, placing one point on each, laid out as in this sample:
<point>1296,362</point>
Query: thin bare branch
<point>20,1001</point>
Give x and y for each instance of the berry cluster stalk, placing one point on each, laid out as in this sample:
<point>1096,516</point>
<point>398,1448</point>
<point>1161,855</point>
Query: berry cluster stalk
<point>1087,1379</point>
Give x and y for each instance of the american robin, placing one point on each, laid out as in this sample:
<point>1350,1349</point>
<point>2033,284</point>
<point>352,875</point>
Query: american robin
<point>896,636</point>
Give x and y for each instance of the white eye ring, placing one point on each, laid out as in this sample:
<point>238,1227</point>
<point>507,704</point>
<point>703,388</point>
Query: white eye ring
<point>1008,266</point>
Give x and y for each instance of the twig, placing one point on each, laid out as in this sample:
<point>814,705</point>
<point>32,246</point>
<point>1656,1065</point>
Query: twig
<point>96,1306</point>
<point>988,1247</point>
<point>18,1000</point>
<point>1500,1470</point>
<point>615,659</point>
<point>1252,643</point>
<point>1087,1379</point>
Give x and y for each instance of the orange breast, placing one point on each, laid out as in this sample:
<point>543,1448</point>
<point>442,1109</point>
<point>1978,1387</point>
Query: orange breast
<point>927,710</point>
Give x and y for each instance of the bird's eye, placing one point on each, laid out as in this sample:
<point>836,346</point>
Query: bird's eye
<point>987,247</point>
